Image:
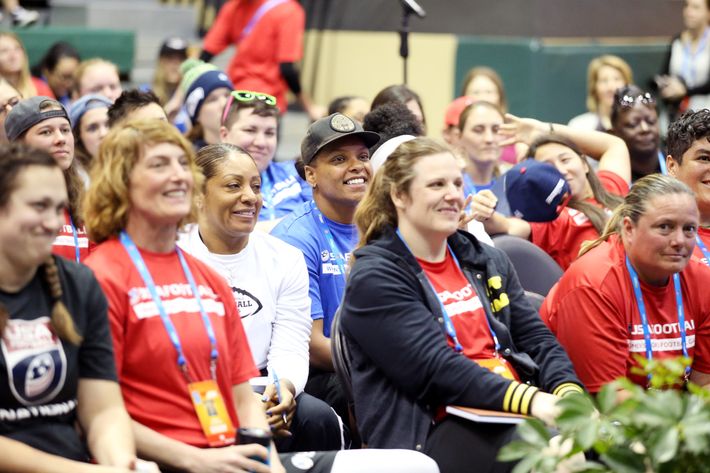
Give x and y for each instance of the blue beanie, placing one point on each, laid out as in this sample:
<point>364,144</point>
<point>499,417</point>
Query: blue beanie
<point>87,102</point>
<point>199,80</point>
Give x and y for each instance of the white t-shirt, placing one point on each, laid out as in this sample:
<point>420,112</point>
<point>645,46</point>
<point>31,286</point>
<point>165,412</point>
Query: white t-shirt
<point>270,285</point>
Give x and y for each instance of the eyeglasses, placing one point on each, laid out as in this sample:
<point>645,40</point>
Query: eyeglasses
<point>247,96</point>
<point>628,100</point>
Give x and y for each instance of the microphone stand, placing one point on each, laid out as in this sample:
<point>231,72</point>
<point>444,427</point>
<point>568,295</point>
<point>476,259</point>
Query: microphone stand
<point>404,40</point>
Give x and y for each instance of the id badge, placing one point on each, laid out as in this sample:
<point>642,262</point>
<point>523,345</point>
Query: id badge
<point>498,366</point>
<point>212,413</point>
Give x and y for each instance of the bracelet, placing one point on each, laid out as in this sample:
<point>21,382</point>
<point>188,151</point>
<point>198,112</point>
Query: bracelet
<point>552,128</point>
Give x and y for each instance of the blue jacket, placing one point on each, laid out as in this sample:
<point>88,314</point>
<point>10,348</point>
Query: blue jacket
<point>402,367</point>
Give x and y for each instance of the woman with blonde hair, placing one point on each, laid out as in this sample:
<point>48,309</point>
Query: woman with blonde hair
<point>635,290</point>
<point>97,76</point>
<point>56,357</point>
<point>433,318</point>
<point>605,74</point>
<point>14,66</point>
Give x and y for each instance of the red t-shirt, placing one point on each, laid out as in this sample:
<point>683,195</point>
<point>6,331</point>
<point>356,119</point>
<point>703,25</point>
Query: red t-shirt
<point>593,312</point>
<point>42,88</point>
<point>704,234</point>
<point>277,37</point>
<point>463,307</point>
<point>153,387</point>
<point>65,246</point>
<point>562,238</point>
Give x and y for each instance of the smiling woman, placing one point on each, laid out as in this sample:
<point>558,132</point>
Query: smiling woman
<point>636,291</point>
<point>433,317</point>
<point>56,355</point>
<point>336,158</point>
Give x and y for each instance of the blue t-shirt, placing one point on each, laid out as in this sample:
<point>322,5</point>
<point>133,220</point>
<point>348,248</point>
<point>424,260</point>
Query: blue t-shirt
<point>304,230</point>
<point>283,190</point>
<point>470,188</point>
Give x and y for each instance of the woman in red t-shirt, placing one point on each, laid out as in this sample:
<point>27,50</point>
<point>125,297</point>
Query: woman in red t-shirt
<point>635,290</point>
<point>594,194</point>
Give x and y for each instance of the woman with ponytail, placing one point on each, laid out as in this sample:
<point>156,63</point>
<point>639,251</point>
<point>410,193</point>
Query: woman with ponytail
<point>635,291</point>
<point>435,318</point>
<point>594,194</point>
<point>56,362</point>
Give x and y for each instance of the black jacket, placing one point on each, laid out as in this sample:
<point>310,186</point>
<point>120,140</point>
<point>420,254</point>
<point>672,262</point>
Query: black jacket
<point>402,367</point>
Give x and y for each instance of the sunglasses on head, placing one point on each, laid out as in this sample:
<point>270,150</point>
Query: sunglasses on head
<point>629,100</point>
<point>246,97</point>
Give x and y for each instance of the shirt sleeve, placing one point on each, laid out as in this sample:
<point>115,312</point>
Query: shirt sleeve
<point>289,40</point>
<point>96,354</point>
<point>288,351</point>
<point>613,183</point>
<point>219,37</point>
<point>592,330</point>
<point>117,313</point>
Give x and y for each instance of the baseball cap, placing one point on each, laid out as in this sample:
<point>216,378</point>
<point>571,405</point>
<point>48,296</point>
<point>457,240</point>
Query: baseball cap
<point>454,110</point>
<point>329,129</point>
<point>27,113</point>
<point>174,46</point>
<point>536,191</point>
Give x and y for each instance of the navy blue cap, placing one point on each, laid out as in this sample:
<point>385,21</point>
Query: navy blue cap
<point>536,191</point>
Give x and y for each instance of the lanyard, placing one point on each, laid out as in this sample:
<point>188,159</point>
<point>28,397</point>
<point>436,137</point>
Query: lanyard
<point>169,327</point>
<point>329,238</point>
<point>689,57</point>
<point>703,248</point>
<point>266,194</point>
<point>76,240</point>
<point>644,319</point>
<point>662,163</point>
<point>448,324</point>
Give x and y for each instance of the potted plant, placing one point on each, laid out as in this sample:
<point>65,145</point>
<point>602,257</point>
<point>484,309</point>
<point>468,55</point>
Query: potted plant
<point>663,429</point>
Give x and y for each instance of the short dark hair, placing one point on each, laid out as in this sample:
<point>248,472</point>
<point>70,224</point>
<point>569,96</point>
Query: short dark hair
<point>338,104</point>
<point>397,93</point>
<point>128,101</point>
<point>390,120</point>
<point>259,108</point>
<point>689,128</point>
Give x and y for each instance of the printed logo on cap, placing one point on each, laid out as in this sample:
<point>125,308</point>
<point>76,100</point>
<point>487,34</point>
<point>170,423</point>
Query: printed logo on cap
<point>342,123</point>
<point>36,363</point>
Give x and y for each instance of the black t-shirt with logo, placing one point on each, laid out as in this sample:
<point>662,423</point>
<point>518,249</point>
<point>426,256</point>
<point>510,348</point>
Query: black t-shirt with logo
<point>39,372</point>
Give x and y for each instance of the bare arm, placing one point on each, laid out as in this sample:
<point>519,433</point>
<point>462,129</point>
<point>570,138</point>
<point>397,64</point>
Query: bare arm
<point>104,418</point>
<point>483,209</point>
<point>701,379</point>
<point>320,354</point>
<point>18,457</point>
<point>609,150</point>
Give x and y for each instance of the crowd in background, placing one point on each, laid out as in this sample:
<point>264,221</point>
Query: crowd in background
<point>172,297</point>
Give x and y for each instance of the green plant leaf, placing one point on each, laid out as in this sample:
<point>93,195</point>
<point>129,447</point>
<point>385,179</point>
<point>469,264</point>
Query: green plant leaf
<point>516,450</point>
<point>534,432</point>
<point>606,398</point>
<point>663,445</point>
<point>529,464</point>
<point>622,460</point>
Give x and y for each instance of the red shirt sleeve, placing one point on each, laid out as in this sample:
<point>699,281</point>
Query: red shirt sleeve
<point>289,43</point>
<point>590,327</point>
<point>613,183</point>
<point>219,36</point>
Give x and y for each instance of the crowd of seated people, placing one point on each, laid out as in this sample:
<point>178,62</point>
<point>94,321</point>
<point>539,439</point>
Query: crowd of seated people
<point>170,292</point>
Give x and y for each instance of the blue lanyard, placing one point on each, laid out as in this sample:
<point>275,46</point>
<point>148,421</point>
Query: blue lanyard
<point>448,324</point>
<point>644,319</point>
<point>688,57</point>
<point>662,163</point>
<point>266,194</point>
<point>703,248</point>
<point>169,327</point>
<point>76,240</point>
<point>320,220</point>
